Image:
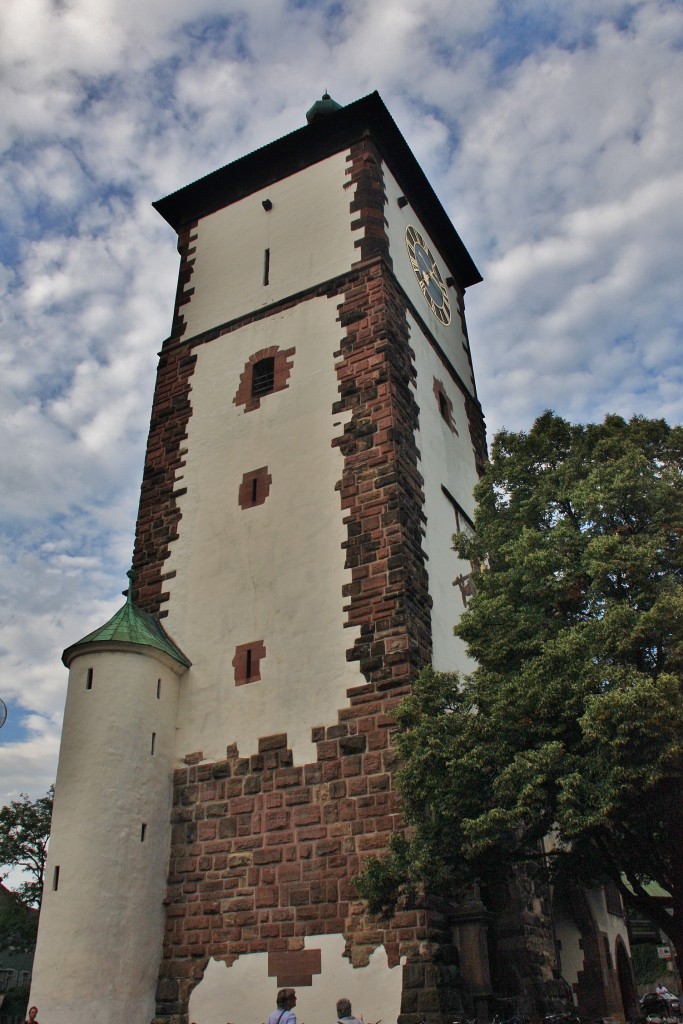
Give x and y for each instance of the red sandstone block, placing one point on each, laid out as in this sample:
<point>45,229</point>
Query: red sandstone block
<point>352,765</point>
<point>327,750</point>
<point>288,777</point>
<point>298,796</point>
<point>378,740</point>
<point>276,820</point>
<point>206,830</point>
<point>241,805</point>
<point>358,787</point>
<point>266,896</point>
<point>331,770</point>
<point>311,832</point>
<point>373,764</point>
<point>276,742</point>
<point>279,838</point>
<point>185,864</point>
<point>306,815</point>
<point>217,810</point>
<point>289,872</point>
<point>268,856</point>
<point>330,846</point>
<point>347,810</point>
<point>270,931</point>
<point>274,800</point>
<point>197,922</point>
<point>377,783</point>
<point>372,843</point>
<point>330,813</point>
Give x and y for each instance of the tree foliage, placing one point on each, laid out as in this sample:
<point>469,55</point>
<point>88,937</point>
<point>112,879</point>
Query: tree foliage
<point>571,727</point>
<point>24,833</point>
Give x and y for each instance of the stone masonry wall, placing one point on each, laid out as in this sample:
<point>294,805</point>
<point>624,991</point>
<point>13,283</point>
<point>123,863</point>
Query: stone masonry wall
<point>264,852</point>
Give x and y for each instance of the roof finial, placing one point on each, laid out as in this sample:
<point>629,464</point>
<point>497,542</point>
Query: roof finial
<point>129,593</point>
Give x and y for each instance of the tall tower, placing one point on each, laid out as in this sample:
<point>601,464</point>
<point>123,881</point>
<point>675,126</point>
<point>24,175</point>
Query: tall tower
<point>314,443</point>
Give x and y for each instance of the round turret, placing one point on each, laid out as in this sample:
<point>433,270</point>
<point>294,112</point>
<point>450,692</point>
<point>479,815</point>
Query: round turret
<point>110,840</point>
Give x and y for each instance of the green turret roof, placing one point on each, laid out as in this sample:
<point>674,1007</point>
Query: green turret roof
<point>130,625</point>
<point>322,107</point>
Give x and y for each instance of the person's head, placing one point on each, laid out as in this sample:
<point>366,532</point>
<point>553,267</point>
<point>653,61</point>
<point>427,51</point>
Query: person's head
<point>343,1007</point>
<point>33,1013</point>
<point>286,998</point>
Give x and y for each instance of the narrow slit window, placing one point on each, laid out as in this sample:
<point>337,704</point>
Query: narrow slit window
<point>158,689</point>
<point>254,490</point>
<point>88,679</point>
<point>247,662</point>
<point>143,832</point>
<point>154,742</point>
<point>263,376</point>
<point>266,266</point>
<point>55,878</point>
<point>443,407</point>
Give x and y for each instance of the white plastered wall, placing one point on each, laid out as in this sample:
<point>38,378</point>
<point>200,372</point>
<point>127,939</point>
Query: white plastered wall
<point>274,572</point>
<point>450,337</point>
<point>569,936</point>
<point>244,994</point>
<point>307,232</point>
<point>446,459</point>
<point>100,936</point>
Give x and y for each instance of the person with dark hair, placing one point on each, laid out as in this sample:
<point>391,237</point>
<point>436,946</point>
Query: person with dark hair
<point>286,999</point>
<point>32,1014</point>
<point>344,1015</point>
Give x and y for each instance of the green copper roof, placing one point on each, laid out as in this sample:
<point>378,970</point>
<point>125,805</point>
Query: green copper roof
<point>130,625</point>
<point>321,107</point>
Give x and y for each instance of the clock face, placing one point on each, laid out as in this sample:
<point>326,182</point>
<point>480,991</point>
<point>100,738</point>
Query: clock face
<point>428,275</point>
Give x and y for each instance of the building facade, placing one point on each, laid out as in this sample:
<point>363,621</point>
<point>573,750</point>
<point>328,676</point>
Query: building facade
<point>227,762</point>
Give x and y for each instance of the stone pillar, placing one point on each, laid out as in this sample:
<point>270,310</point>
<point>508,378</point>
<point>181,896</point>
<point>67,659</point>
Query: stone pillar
<point>471,925</point>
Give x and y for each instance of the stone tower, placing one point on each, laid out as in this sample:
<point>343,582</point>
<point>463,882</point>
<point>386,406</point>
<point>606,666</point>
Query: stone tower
<point>314,443</point>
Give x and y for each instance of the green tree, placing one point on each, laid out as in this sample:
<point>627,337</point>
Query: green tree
<point>24,834</point>
<point>571,727</point>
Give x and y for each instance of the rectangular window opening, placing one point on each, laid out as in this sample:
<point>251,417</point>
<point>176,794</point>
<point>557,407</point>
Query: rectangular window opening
<point>158,689</point>
<point>88,679</point>
<point>263,376</point>
<point>463,522</point>
<point>266,266</point>
<point>55,878</point>
<point>248,666</point>
<point>143,832</point>
<point>254,489</point>
<point>154,741</point>
<point>443,407</point>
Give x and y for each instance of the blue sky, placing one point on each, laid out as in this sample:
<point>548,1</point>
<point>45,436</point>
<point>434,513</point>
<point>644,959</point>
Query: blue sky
<point>551,130</point>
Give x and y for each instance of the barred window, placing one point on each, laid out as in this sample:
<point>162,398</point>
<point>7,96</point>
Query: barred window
<point>263,376</point>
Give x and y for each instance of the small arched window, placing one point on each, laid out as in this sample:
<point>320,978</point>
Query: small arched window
<point>264,373</point>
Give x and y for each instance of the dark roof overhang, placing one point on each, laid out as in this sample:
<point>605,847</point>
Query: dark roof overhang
<point>310,144</point>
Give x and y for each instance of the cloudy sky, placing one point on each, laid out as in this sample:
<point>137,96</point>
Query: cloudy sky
<point>552,130</point>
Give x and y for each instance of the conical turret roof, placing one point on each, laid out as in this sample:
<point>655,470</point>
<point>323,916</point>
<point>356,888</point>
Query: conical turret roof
<point>130,625</point>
